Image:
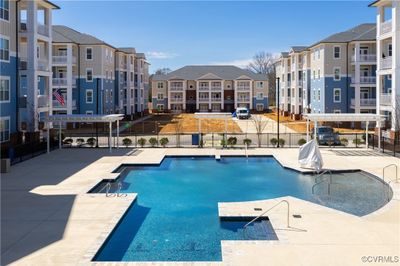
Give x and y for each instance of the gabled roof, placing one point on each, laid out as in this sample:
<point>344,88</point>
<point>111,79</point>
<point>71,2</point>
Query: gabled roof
<point>141,55</point>
<point>362,32</point>
<point>127,50</point>
<point>298,49</point>
<point>63,33</point>
<point>209,76</point>
<point>196,72</point>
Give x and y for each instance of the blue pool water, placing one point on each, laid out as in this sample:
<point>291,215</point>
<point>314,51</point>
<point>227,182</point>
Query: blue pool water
<point>175,217</point>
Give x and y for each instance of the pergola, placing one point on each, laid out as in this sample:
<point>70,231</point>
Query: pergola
<point>83,119</point>
<point>205,115</point>
<point>331,117</point>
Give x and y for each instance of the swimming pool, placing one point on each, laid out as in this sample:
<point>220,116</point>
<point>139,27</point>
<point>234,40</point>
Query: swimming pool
<point>175,217</point>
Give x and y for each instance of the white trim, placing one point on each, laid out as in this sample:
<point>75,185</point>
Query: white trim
<point>9,48</point>
<point>89,112</point>
<point>258,105</point>
<point>340,75</point>
<point>6,118</point>
<point>86,76</point>
<point>337,111</point>
<point>9,89</point>
<point>86,92</point>
<point>340,95</point>
<point>158,96</point>
<point>340,52</point>
<point>86,53</point>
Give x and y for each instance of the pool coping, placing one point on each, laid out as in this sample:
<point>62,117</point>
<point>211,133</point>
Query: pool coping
<point>282,237</point>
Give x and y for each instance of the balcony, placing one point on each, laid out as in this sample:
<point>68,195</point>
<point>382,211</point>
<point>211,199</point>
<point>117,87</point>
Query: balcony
<point>386,63</point>
<point>43,65</point>
<point>216,99</point>
<point>42,101</point>
<point>386,27</point>
<point>57,104</point>
<point>386,99</point>
<point>216,88</point>
<point>363,58</point>
<point>176,88</point>
<point>62,59</point>
<point>364,80</point>
<point>60,82</point>
<point>204,99</point>
<point>43,29</point>
<point>370,102</point>
<point>243,99</point>
<point>299,82</point>
<point>204,88</point>
<point>176,100</point>
<point>243,88</point>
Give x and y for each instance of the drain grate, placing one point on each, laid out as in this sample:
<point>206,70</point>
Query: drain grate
<point>296,216</point>
<point>258,209</point>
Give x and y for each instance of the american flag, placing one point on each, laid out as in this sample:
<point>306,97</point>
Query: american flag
<point>59,97</point>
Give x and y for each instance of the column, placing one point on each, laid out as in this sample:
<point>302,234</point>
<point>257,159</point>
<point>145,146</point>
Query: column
<point>251,85</point>
<point>69,78</point>
<point>357,78</point>
<point>48,22</point>
<point>31,77</point>
<point>184,95</point>
<point>222,95</point>
<point>197,95</point>
<point>169,95</point>
<point>235,94</point>
<point>209,95</point>
<point>395,63</point>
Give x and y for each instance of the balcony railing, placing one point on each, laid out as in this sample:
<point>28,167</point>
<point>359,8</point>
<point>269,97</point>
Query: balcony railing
<point>370,102</point>
<point>60,82</point>
<point>204,99</point>
<point>176,88</point>
<point>243,88</point>
<point>365,58</point>
<point>176,100</point>
<point>204,88</point>
<point>386,63</point>
<point>243,99</point>
<point>299,82</point>
<point>57,104</point>
<point>43,101</point>
<point>216,88</point>
<point>386,27</point>
<point>364,80</point>
<point>62,59</point>
<point>43,65</point>
<point>216,99</point>
<point>386,99</point>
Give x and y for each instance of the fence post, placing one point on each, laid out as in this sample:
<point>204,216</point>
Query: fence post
<point>383,145</point>
<point>356,141</point>
<point>290,140</point>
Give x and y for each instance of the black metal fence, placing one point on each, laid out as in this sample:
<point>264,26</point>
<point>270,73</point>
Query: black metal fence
<point>26,151</point>
<point>388,146</point>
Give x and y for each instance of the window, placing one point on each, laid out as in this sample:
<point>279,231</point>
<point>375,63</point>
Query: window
<point>160,107</point>
<point>111,74</point>
<point>106,75</point>
<point>337,95</point>
<point>336,73</point>
<point>4,9</point>
<point>336,111</point>
<point>314,74</point>
<point>89,74</point>
<point>319,74</point>
<point>319,94</point>
<point>160,85</point>
<point>89,96</point>
<point>89,112</point>
<point>4,49</point>
<point>4,89</point>
<point>131,60</point>
<point>260,84</point>
<point>4,129</point>
<point>260,96</point>
<point>260,107</point>
<point>89,53</point>
<point>160,96</point>
<point>319,53</point>
<point>336,52</point>
<point>390,49</point>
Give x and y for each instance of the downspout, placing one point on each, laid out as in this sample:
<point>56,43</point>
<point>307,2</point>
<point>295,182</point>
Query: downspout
<point>347,75</point>
<point>79,78</point>
<point>17,65</point>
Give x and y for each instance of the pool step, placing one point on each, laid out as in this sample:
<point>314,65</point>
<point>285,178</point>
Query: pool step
<point>217,155</point>
<point>260,230</point>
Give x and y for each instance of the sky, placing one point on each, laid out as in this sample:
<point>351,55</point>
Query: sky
<point>178,33</point>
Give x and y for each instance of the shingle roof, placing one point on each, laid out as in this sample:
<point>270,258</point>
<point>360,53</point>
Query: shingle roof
<point>223,72</point>
<point>362,32</point>
<point>298,49</point>
<point>128,50</point>
<point>141,55</point>
<point>62,33</point>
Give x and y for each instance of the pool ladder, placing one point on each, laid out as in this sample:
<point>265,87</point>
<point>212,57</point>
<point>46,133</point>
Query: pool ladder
<point>261,215</point>
<point>388,183</point>
<point>323,179</point>
<point>108,186</point>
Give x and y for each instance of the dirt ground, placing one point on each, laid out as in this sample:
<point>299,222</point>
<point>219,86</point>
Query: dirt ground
<point>300,126</point>
<point>187,123</point>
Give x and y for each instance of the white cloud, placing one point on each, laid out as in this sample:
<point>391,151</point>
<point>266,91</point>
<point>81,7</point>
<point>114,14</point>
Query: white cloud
<point>159,55</point>
<point>242,63</point>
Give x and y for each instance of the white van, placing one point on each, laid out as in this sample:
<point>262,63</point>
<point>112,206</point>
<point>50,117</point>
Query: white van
<point>242,113</point>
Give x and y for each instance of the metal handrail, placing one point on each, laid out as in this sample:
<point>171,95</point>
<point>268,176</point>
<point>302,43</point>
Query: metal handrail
<point>259,216</point>
<point>323,180</point>
<point>107,185</point>
<point>387,166</point>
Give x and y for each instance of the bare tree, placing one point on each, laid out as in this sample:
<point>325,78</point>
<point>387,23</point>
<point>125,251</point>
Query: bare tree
<point>178,126</point>
<point>264,63</point>
<point>163,71</point>
<point>259,123</point>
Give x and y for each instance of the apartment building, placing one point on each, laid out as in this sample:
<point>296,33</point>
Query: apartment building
<point>388,63</point>
<point>293,70</point>
<point>209,89</point>
<point>343,70</point>
<point>124,78</point>
<point>141,82</point>
<point>25,79</point>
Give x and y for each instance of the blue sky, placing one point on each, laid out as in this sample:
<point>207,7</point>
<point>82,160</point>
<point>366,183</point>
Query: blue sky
<point>174,34</point>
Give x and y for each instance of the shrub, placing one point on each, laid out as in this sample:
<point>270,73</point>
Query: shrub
<point>274,141</point>
<point>153,142</point>
<point>127,142</point>
<point>68,141</point>
<point>344,141</point>
<point>164,142</point>
<point>223,142</point>
<point>301,142</point>
<point>91,141</point>
<point>80,141</point>
<point>141,142</point>
<point>281,142</point>
<point>247,142</point>
<point>357,141</point>
<point>232,141</point>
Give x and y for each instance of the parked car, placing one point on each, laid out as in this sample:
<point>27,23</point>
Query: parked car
<point>327,136</point>
<point>242,113</point>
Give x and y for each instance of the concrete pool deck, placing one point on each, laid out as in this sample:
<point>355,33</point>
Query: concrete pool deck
<point>49,219</point>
